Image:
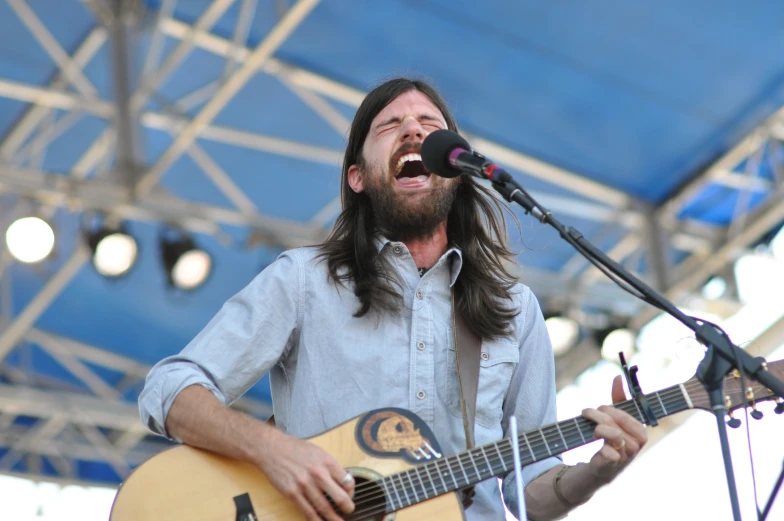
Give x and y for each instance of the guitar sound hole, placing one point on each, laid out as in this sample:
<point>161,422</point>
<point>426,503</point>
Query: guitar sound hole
<point>369,502</point>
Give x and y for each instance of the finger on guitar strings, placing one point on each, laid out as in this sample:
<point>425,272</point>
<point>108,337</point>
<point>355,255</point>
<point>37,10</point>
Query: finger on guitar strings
<point>320,503</point>
<point>302,501</point>
<point>633,428</point>
<point>333,482</point>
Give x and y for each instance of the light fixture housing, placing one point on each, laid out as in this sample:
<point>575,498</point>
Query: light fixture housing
<point>187,266</point>
<point>30,239</point>
<point>115,251</point>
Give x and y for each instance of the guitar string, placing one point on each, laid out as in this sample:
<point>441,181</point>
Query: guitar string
<point>380,506</point>
<point>506,451</point>
<point>374,494</point>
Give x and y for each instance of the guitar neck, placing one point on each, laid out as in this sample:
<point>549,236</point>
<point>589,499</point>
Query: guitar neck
<point>495,459</point>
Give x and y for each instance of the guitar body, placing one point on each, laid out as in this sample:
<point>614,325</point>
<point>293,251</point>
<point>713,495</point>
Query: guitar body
<point>188,484</point>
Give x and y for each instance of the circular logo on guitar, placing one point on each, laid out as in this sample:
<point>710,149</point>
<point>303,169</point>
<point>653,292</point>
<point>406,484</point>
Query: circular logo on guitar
<point>396,432</point>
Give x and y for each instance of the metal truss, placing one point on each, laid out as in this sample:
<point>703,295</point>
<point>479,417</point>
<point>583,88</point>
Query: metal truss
<point>93,422</point>
<point>41,418</point>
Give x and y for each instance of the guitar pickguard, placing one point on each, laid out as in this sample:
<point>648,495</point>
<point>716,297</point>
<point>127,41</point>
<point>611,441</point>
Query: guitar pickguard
<point>395,433</point>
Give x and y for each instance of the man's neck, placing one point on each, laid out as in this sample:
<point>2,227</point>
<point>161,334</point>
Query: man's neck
<point>427,250</point>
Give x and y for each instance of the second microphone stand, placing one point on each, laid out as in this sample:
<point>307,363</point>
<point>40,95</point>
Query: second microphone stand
<point>721,357</point>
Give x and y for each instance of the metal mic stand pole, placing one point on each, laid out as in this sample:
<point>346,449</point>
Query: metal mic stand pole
<point>721,356</point>
<point>773,495</point>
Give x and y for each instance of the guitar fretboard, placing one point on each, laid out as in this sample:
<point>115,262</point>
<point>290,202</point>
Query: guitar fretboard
<point>495,459</point>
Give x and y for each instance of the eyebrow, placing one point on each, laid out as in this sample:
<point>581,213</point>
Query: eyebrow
<point>396,119</point>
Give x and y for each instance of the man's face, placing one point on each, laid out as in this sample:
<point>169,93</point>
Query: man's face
<point>407,200</point>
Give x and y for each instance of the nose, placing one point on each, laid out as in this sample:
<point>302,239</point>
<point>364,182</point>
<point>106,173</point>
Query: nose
<point>411,130</point>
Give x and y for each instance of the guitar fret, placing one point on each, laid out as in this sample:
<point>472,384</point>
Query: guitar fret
<point>408,499</point>
<point>476,468</point>
<point>422,487</point>
<point>413,487</point>
<point>386,492</point>
<point>558,426</point>
<point>530,448</point>
<point>489,466</point>
<point>441,475</point>
<point>501,457</point>
<point>449,467</point>
<point>463,469</point>
<point>545,442</point>
<point>579,429</point>
<point>686,396</point>
<point>664,409</point>
<point>641,416</point>
<point>431,480</point>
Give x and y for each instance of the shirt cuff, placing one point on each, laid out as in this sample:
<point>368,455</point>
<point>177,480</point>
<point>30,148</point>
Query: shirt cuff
<point>158,396</point>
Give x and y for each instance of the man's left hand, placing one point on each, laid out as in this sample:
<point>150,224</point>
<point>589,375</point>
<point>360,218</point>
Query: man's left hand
<point>623,436</point>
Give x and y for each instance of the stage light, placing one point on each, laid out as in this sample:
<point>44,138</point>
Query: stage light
<point>715,288</point>
<point>621,340</point>
<point>564,333</point>
<point>29,239</point>
<point>114,250</point>
<point>187,266</point>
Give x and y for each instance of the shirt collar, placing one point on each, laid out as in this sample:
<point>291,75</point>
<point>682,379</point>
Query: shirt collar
<point>453,254</point>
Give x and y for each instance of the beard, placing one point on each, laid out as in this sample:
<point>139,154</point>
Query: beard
<point>402,216</point>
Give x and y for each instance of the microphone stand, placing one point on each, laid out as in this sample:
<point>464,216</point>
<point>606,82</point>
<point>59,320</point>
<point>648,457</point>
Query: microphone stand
<point>721,357</point>
<point>776,487</point>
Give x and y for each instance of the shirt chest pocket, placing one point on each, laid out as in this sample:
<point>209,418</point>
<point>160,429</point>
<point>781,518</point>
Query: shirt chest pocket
<point>497,362</point>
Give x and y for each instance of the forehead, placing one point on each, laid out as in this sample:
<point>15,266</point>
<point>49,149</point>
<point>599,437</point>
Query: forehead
<point>412,103</point>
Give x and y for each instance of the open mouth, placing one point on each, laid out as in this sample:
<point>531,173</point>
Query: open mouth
<point>411,171</point>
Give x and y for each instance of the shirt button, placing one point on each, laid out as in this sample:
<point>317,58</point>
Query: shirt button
<point>420,295</point>
<point>421,346</point>
<point>485,356</point>
<point>421,395</point>
<point>398,250</point>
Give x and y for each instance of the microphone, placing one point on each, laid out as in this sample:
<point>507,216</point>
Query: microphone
<point>447,154</point>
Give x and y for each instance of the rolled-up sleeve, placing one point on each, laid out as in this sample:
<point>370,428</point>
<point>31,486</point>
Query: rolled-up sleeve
<point>531,398</point>
<point>245,339</point>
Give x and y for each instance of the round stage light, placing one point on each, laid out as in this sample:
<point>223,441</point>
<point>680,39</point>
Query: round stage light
<point>30,239</point>
<point>563,332</point>
<point>620,340</point>
<point>114,253</point>
<point>191,269</point>
<point>187,266</point>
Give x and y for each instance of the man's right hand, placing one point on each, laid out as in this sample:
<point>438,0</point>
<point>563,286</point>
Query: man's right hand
<point>303,473</point>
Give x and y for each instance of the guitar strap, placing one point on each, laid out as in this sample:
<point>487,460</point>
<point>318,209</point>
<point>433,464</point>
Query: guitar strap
<point>468,347</point>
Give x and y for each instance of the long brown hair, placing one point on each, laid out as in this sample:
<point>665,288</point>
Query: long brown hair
<point>475,224</point>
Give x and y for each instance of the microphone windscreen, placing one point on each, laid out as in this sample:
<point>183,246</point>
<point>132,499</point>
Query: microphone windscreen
<point>436,149</point>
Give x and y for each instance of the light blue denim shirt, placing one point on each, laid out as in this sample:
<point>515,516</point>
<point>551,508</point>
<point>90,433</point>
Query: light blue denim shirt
<point>326,366</point>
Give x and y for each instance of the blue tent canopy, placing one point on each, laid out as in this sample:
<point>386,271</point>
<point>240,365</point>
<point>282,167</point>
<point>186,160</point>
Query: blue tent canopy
<point>654,129</point>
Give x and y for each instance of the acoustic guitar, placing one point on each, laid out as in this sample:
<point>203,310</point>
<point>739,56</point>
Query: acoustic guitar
<point>397,463</point>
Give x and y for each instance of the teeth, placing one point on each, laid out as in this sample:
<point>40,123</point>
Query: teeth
<point>408,157</point>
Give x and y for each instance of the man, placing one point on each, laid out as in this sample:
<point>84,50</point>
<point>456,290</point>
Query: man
<point>365,321</point>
